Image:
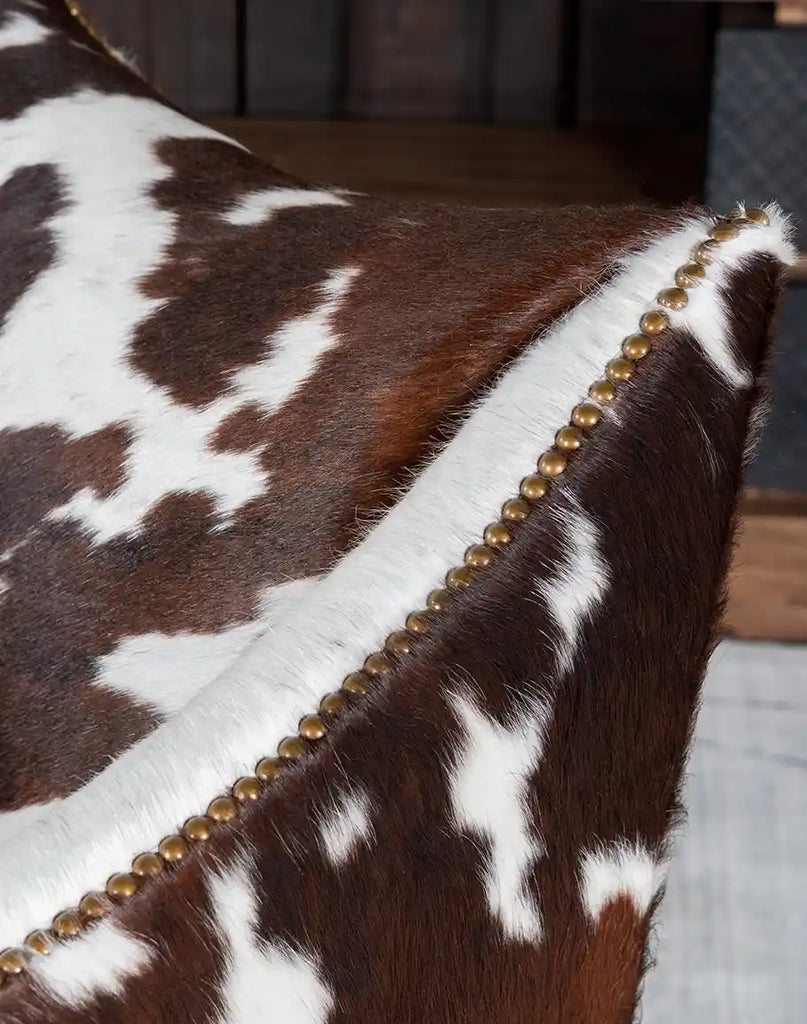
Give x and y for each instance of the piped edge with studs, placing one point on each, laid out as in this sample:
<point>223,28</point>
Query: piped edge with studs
<point>223,810</point>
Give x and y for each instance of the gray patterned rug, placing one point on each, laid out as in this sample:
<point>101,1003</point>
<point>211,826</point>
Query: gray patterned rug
<point>732,931</point>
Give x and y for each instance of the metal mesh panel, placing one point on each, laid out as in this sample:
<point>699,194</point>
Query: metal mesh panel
<point>758,135</point>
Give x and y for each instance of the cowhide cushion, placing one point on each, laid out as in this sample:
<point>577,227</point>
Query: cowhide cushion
<point>261,451</point>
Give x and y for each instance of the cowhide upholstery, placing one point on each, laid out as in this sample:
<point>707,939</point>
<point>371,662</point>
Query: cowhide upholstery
<point>247,425</point>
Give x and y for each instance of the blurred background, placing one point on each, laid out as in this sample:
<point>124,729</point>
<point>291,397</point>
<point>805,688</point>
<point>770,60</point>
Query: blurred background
<point>547,102</point>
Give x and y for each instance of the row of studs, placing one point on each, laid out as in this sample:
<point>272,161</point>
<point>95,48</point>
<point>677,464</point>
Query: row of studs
<point>497,535</point>
<point>75,9</point>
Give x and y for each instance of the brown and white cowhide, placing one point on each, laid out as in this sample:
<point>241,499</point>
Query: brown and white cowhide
<point>246,426</point>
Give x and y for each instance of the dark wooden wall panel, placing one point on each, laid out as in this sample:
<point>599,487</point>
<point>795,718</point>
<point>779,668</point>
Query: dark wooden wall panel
<point>193,53</point>
<point>589,62</point>
<point>125,26</point>
<point>187,48</point>
<point>644,63</point>
<point>527,53</point>
<point>294,56</point>
<point>417,58</point>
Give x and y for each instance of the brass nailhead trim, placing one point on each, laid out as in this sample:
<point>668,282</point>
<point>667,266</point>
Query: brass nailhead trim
<point>516,510</point>
<point>122,885</point>
<point>497,536</point>
<point>223,808</point>
<point>94,906</point>
<point>602,391</point>
<point>147,865</point>
<point>724,230</point>
<point>66,925</point>
<point>459,577</point>
<point>312,727</point>
<point>172,849</point>
<point>12,961</point>
<point>398,643</point>
<point>40,942</point>
<point>198,828</point>
<point>689,275</point>
<point>552,464</point>
<point>636,346</point>
<point>75,9</point>
<point>418,622</point>
<point>672,298</point>
<point>477,557</point>
<point>331,704</point>
<point>569,439</point>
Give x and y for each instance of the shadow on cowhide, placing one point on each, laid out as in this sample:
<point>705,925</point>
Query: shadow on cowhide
<point>434,502</point>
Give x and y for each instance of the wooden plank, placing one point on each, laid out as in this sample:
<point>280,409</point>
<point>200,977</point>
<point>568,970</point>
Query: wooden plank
<point>645,64</point>
<point>527,60</point>
<point>193,48</point>
<point>417,59</point>
<point>486,165</point>
<point>768,501</point>
<point>294,56</point>
<point>768,583</point>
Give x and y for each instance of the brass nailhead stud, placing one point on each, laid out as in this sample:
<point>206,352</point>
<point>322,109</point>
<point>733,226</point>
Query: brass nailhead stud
<point>312,727</point>
<point>290,749</point>
<point>66,925</point>
<point>269,768</point>
<point>516,510</point>
<point>439,600</point>
<point>222,809</point>
<point>602,391</point>
<point>356,682</point>
<point>757,216</point>
<point>478,556</point>
<point>12,961</point>
<point>534,487</point>
<point>197,828</point>
<point>672,298</point>
<point>173,848</point>
<point>636,346</point>
<point>459,577</point>
<point>399,642</point>
<point>586,415</point>
<point>619,369</point>
<point>377,664</point>
<point>122,885</point>
<point>94,906</point>
<point>723,231</point>
<point>418,622</point>
<point>40,942</point>
<point>569,439</point>
<point>332,704</point>
<point>552,463</point>
<point>706,251</point>
<point>689,275</point>
<point>147,865</point>
<point>247,788</point>
<point>654,322</point>
<point>497,535</point>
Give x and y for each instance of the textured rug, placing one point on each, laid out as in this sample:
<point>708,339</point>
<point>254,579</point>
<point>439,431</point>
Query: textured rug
<point>733,927</point>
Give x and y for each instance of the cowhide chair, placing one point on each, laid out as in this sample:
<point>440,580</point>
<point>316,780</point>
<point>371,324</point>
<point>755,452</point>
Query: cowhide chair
<point>360,565</point>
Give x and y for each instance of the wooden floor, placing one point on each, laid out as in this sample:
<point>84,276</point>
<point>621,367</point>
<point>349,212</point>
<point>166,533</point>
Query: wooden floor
<point>479,164</point>
<point>768,591</point>
<point>492,165</point>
